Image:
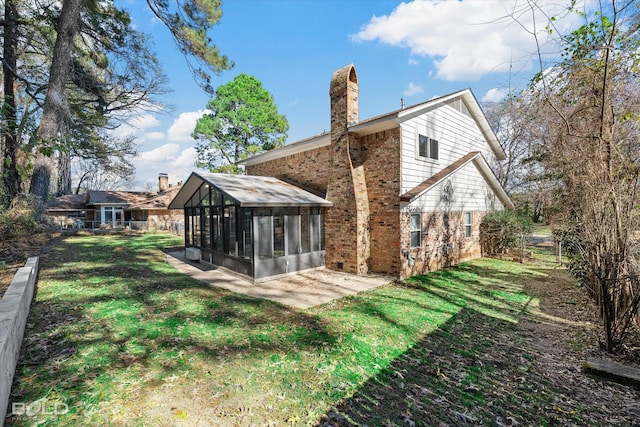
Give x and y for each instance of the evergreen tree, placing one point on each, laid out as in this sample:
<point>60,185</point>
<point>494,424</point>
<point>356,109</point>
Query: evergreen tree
<point>243,121</point>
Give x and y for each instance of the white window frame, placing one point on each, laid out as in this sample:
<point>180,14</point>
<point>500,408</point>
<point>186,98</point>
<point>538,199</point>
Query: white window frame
<point>415,230</point>
<point>430,155</point>
<point>468,225</point>
<point>113,209</point>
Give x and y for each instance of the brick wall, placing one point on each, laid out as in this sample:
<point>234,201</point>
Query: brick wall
<point>309,168</point>
<point>443,242</point>
<point>365,229</point>
<point>347,242</point>
<point>161,218</point>
<point>361,177</point>
<point>382,171</point>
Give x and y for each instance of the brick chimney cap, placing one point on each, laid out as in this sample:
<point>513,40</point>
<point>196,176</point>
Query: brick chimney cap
<point>343,75</point>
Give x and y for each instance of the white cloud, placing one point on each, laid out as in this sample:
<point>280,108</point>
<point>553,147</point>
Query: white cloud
<point>468,39</point>
<point>144,121</point>
<point>154,136</point>
<point>171,151</point>
<point>413,89</point>
<point>161,154</point>
<point>171,158</point>
<point>495,95</point>
<point>136,125</point>
<point>183,126</point>
<point>186,160</point>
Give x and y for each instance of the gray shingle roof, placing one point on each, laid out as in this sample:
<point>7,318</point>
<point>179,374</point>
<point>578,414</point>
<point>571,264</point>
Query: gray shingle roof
<point>69,202</point>
<point>118,197</point>
<point>160,201</point>
<point>249,191</point>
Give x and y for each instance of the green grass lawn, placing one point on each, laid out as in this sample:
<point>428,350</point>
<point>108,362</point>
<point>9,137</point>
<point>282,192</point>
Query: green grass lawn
<point>542,229</point>
<point>121,338</point>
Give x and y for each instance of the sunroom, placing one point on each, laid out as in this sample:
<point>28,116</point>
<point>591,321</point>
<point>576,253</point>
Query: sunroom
<point>257,226</point>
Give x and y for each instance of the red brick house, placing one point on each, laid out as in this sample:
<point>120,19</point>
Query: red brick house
<point>408,189</point>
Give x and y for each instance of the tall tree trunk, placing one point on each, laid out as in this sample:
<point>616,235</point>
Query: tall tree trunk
<point>9,167</point>
<point>64,173</point>
<point>55,114</point>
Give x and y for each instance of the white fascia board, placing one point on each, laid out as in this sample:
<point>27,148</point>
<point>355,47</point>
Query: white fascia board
<point>374,125</point>
<point>191,184</point>
<point>484,168</point>
<point>476,113</point>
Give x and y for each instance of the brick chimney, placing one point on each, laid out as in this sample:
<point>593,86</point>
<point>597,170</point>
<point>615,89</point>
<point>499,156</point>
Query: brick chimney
<point>347,245</point>
<point>163,182</point>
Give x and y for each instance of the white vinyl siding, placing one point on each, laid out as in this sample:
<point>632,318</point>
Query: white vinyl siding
<point>466,191</point>
<point>457,135</point>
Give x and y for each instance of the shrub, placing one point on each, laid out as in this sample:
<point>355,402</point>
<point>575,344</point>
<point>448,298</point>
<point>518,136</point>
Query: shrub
<point>502,230</point>
<point>24,217</point>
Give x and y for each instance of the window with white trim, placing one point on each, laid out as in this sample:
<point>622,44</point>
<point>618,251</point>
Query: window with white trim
<point>112,215</point>
<point>468,224</point>
<point>427,147</point>
<point>415,231</point>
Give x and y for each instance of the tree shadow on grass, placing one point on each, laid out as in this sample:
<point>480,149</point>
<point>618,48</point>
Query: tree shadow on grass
<point>473,371</point>
<point>111,312</point>
<point>108,304</point>
<point>476,368</point>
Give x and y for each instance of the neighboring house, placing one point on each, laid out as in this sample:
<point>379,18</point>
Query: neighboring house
<point>69,210</point>
<point>154,210</point>
<point>115,209</point>
<point>408,189</point>
<point>109,207</point>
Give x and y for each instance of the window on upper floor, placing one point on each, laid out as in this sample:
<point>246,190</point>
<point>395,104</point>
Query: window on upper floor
<point>427,147</point>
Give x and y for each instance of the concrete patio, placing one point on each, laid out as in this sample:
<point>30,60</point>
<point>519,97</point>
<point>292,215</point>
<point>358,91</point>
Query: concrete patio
<point>301,290</point>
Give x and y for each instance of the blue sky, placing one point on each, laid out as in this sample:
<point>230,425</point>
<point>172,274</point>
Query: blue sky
<point>414,50</point>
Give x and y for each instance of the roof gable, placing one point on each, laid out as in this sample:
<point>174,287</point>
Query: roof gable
<point>467,104</point>
<point>479,162</point>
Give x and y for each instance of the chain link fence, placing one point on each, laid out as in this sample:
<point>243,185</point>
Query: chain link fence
<point>525,248</point>
<point>540,249</point>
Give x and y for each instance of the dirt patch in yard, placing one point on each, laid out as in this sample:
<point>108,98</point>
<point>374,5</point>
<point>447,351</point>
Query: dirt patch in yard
<point>15,252</point>
<point>561,333</point>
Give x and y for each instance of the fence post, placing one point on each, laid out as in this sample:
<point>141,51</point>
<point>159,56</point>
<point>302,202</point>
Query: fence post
<point>522,249</point>
<point>559,252</point>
